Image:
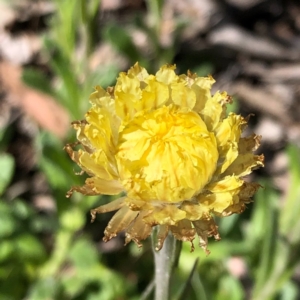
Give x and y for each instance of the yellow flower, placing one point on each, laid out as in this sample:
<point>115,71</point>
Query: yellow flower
<point>165,143</point>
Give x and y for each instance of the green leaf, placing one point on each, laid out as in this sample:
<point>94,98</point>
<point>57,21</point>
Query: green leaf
<point>64,27</point>
<point>267,226</point>
<point>7,225</point>
<point>21,209</point>
<point>83,255</point>
<point>44,289</point>
<point>7,165</point>
<point>5,209</point>
<point>230,288</point>
<point>290,291</point>
<point>56,177</point>
<point>186,288</point>
<point>69,93</point>
<point>74,284</point>
<point>6,249</point>
<point>289,218</point>
<point>262,214</point>
<point>72,219</point>
<point>30,248</point>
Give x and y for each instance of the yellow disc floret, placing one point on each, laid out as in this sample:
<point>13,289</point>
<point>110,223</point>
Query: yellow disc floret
<point>166,155</point>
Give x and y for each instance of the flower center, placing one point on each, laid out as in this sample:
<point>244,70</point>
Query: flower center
<point>166,155</point>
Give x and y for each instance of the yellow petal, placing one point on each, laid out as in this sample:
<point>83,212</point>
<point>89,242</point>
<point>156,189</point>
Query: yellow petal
<point>248,190</point>
<point>155,94</point>
<point>138,230</point>
<point>244,197</point>
<point>245,164</point>
<point>102,98</point>
<point>105,100</point>
<point>168,215</point>
<point>139,72</point>
<point>194,210</point>
<point>183,231</point>
<point>236,208</point>
<point>230,129</point>
<point>74,155</point>
<point>212,112</point>
<point>249,144</point>
<point>138,205</point>
<point>228,134</point>
<point>201,87</point>
<point>223,99</point>
<point>119,222</point>
<point>182,95</point>
<point>102,129</point>
<point>127,94</point>
<point>105,187</point>
<point>80,126</point>
<point>166,74</point>
<point>111,206</point>
<point>227,156</point>
<point>229,196</point>
<point>228,183</point>
<point>206,229</point>
<point>97,186</point>
<point>162,233</point>
<point>97,164</point>
<point>217,202</point>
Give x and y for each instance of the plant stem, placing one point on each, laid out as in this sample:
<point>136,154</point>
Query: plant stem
<point>163,260</point>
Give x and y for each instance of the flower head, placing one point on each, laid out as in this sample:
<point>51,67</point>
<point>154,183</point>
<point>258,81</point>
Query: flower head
<point>166,144</point>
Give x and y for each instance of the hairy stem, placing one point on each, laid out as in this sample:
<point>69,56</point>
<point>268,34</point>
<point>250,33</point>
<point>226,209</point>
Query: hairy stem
<point>163,260</point>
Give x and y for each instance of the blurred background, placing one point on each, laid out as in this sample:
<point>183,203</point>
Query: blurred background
<point>52,53</point>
